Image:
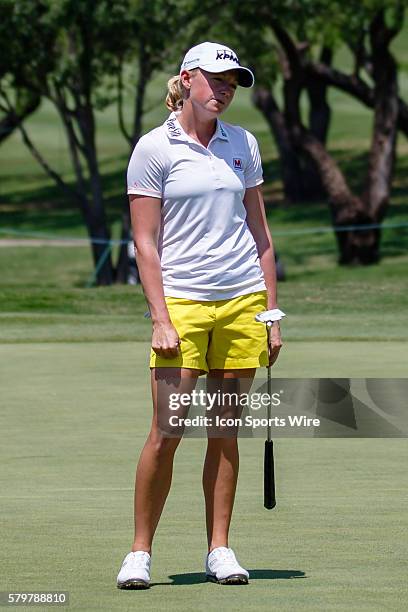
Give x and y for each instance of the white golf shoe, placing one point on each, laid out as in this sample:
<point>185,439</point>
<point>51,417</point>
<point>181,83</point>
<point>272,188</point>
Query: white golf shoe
<point>221,566</point>
<point>135,571</point>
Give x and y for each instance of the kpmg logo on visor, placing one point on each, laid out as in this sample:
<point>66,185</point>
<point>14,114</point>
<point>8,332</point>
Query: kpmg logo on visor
<point>225,54</point>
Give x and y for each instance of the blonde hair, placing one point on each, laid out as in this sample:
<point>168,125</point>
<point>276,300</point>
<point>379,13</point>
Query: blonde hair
<point>175,94</point>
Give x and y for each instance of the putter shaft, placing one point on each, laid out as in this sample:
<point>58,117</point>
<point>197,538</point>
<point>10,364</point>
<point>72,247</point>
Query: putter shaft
<point>269,414</point>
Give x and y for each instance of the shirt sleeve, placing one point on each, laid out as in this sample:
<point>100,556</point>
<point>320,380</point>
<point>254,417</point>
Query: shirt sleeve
<point>145,171</point>
<point>253,168</point>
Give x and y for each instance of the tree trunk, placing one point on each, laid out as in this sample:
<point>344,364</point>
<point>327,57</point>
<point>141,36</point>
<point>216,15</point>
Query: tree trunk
<point>382,153</point>
<point>364,246</point>
<point>294,84</point>
<point>122,267</point>
<point>360,245</point>
<point>347,209</point>
<point>144,76</point>
<point>99,233</point>
<point>291,171</point>
<point>300,176</point>
<point>319,122</point>
<point>94,213</point>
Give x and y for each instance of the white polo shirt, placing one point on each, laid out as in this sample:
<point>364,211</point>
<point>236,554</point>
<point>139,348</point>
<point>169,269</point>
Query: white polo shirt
<point>206,249</point>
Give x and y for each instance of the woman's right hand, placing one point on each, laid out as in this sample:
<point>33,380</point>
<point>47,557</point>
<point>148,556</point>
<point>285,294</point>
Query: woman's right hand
<point>165,340</point>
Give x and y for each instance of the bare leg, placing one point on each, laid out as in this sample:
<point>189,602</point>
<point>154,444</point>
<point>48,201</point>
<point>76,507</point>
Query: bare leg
<point>219,482</point>
<point>155,467</point>
<point>221,467</point>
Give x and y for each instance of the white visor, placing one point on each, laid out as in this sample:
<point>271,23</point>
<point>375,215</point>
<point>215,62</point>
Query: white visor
<point>215,57</point>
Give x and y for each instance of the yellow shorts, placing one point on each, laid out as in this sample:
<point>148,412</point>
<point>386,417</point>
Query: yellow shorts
<point>217,335</point>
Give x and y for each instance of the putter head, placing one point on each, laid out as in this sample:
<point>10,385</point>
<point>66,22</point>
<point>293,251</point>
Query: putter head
<point>269,316</point>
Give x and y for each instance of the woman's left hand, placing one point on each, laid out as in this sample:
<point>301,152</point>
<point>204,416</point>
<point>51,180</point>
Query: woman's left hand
<point>275,343</point>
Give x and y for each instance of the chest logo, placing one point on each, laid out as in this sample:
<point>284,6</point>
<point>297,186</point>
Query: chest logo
<point>237,163</point>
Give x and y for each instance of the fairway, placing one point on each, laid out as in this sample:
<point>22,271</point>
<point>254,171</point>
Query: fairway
<point>74,375</point>
<point>77,415</point>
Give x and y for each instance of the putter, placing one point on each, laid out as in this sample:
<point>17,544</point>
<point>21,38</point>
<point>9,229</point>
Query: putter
<point>268,317</point>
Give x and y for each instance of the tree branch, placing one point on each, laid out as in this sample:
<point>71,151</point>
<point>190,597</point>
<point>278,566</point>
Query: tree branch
<point>356,87</point>
<point>351,84</point>
<point>67,115</point>
<point>73,146</point>
<point>51,173</point>
<point>286,42</point>
<point>37,155</point>
<point>10,122</point>
<point>121,118</point>
<point>144,74</point>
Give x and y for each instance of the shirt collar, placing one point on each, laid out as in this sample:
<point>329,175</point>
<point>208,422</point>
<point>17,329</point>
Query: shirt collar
<point>221,131</point>
<point>175,131</point>
<point>173,128</point>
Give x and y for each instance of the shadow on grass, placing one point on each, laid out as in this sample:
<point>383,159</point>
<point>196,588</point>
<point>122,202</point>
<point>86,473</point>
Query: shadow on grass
<point>354,165</point>
<point>256,574</point>
<point>46,208</point>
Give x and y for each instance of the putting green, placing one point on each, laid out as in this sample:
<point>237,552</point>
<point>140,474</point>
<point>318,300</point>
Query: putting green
<point>74,420</point>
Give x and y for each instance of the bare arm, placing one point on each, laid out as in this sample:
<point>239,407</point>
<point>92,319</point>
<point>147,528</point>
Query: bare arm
<point>146,219</point>
<point>258,225</point>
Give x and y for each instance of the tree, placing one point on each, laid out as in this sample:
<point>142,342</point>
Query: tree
<point>377,27</point>
<point>26,105</point>
<point>74,54</point>
<point>250,31</point>
<point>303,39</point>
<point>62,51</point>
<point>26,101</point>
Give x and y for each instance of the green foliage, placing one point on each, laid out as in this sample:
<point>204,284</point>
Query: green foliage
<point>80,46</point>
<point>318,22</point>
<point>27,38</point>
<point>72,44</point>
<point>90,35</point>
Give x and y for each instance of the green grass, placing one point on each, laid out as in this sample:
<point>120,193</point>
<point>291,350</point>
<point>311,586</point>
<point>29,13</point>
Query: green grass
<point>76,417</point>
<point>76,404</point>
<point>43,298</point>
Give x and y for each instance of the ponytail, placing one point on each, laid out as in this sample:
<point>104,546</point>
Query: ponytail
<point>175,95</point>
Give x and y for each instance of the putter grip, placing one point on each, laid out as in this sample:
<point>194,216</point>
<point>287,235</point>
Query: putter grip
<point>269,476</point>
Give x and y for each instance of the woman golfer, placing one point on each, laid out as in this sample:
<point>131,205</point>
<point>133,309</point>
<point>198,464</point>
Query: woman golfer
<point>206,262</point>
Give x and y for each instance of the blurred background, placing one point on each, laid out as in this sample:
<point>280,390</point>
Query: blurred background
<point>82,81</point>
